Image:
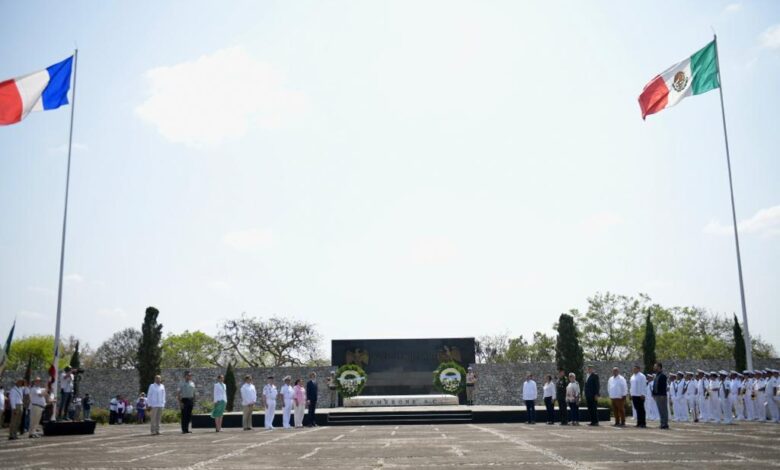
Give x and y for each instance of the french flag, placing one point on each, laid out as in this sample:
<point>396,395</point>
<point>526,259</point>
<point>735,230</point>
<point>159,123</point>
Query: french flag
<point>38,91</point>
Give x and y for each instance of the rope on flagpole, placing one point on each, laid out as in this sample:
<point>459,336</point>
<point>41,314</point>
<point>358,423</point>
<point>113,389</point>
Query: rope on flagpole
<point>62,247</point>
<point>748,344</point>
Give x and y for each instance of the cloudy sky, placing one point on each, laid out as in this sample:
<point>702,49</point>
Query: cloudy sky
<point>386,169</point>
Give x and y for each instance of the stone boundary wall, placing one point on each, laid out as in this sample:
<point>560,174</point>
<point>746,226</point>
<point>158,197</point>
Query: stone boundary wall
<point>498,384</point>
<point>502,384</point>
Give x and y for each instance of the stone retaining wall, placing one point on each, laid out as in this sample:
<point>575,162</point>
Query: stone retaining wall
<point>498,384</point>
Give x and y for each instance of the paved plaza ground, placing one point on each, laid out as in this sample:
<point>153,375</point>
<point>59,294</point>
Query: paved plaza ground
<point>745,445</point>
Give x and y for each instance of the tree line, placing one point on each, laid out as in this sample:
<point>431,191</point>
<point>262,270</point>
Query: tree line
<point>613,327</point>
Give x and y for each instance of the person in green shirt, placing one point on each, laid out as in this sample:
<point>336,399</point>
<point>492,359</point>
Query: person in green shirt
<point>186,396</point>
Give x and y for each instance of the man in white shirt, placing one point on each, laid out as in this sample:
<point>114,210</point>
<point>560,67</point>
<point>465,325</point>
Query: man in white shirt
<point>66,390</point>
<point>37,405</point>
<point>16,399</point>
<point>529,397</point>
<point>287,395</point>
<point>638,393</point>
<point>548,395</point>
<point>248,399</point>
<point>155,400</point>
<point>617,390</point>
<point>269,400</point>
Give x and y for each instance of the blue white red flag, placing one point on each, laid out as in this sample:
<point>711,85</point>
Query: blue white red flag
<point>39,91</point>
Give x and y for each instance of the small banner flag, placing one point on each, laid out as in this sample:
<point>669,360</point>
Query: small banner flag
<point>693,76</point>
<point>7,348</point>
<point>39,91</point>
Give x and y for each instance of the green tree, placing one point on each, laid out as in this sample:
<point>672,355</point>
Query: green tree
<point>230,387</point>
<point>568,352</point>
<point>607,327</point>
<point>542,349</point>
<point>38,350</point>
<point>189,350</point>
<point>740,354</point>
<point>271,342</point>
<point>149,350</point>
<point>120,351</point>
<point>648,344</point>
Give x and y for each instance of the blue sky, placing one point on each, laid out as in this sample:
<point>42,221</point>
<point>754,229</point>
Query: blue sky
<point>386,169</point>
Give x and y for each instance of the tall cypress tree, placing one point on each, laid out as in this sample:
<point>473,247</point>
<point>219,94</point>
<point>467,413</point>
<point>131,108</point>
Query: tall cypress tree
<point>568,352</point>
<point>740,354</point>
<point>230,387</point>
<point>75,363</point>
<point>149,349</point>
<point>648,345</point>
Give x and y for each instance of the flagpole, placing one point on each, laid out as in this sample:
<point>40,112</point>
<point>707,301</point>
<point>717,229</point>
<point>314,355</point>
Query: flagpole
<point>62,247</point>
<point>746,334</point>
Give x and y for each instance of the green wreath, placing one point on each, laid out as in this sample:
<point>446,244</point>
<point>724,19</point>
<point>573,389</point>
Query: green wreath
<point>350,380</point>
<point>449,377</point>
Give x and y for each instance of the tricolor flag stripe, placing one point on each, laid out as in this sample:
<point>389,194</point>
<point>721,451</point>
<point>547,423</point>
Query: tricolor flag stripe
<point>38,91</point>
<point>693,76</point>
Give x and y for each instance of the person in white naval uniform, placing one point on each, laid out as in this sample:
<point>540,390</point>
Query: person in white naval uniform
<point>269,401</point>
<point>725,402</point>
<point>680,407</point>
<point>714,398</point>
<point>735,399</point>
<point>759,403</point>
<point>702,394</point>
<point>689,389</point>
<point>770,392</point>
<point>748,395</point>
<point>651,408</point>
<point>288,393</point>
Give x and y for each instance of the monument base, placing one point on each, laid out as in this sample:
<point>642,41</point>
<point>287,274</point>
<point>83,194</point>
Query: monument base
<point>400,400</point>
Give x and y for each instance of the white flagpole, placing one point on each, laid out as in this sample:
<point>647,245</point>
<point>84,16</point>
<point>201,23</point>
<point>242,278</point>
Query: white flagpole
<point>62,247</point>
<point>746,331</point>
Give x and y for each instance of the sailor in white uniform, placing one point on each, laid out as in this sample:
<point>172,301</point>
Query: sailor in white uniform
<point>702,385</point>
<point>287,395</point>
<point>269,400</point>
<point>725,401</point>
<point>651,408</point>
<point>689,389</point>
<point>714,398</point>
<point>748,395</point>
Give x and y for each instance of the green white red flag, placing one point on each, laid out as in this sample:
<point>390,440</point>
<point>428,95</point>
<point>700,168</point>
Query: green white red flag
<point>693,76</point>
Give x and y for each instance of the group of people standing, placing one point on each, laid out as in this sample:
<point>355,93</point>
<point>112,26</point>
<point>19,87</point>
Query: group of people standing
<point>294,396</point>
<point>716,397</point>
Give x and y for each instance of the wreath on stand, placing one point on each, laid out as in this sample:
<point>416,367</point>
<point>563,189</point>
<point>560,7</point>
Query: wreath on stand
<point>350,380</point>
<point>449,377</point>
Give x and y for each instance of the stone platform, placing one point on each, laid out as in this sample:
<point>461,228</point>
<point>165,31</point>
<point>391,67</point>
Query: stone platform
<point>365,401</point>
<point>440,414</point>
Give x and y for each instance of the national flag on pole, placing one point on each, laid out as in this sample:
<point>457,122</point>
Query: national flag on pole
<point>693,76</point>
<point>39,91</point>
<point>7,348</point>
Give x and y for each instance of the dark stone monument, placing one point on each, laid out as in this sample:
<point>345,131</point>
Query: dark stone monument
<point>401,366</point>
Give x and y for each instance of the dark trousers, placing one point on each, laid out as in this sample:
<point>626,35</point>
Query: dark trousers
<point>574,412</point>
<point>562,410</point>
<point>64,404</point>
<point>186,414</point>
<point>310,414</point>
<point>663,409</point>
<point>548,404</point>
<point>639,406</point>
<point>530,410</point>
<point>111,417</point>
<point>592,411</point>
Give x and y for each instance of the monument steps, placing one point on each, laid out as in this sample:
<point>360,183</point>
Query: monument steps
<point>346,418</point>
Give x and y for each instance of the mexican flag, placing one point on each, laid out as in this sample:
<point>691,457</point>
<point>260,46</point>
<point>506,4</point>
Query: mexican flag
<point>693,76</point>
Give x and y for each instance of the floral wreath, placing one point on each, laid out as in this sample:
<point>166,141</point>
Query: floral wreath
<point>449,377</point>
<point>350,380</point>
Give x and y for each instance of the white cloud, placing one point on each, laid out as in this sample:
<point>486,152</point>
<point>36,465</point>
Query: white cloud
<point>74,277</point>
<point>220,286</point>
<point>433,250</point>
<point>41,290</point>
<point>600,222</point>
<point>770,38</point>
<point>217,97</point>
<point>732,8</point>
<point>765,223</point>
<point>115,313</point>
<point>250,240</point>
<point>63,149</point>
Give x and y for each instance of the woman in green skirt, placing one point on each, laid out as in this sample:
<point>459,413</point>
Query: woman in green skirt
<point>220,400</point>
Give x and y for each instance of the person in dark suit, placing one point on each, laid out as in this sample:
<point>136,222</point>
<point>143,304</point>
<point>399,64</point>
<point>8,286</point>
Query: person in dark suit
<point>311,398</point>
<point>659,394</point>
<point>592,391</point>
<point>560,396</point>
